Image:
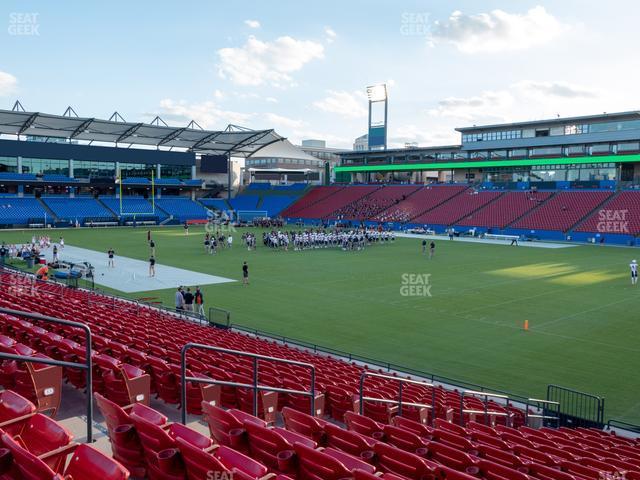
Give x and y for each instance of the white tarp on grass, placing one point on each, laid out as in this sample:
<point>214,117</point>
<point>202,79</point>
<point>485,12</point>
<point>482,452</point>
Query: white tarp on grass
<point>131,275</point>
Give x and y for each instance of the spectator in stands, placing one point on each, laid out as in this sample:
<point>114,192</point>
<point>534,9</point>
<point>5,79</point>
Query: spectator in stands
<point>188,300</point>
<point>43,273</point>
<point>179,299</point>
<point>152,266</point>
<point>199,301</point>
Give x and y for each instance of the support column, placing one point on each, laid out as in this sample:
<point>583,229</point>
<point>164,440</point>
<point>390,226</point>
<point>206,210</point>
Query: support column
<point>19,164</point>
<point>158,171</point>
<point>193,172</point>
<point>71,168</point>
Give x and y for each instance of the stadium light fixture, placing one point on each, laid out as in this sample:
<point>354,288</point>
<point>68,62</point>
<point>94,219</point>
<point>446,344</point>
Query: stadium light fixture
<point>377,93</point>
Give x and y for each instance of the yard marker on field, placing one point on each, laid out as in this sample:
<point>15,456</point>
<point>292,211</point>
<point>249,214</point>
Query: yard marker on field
<point>526,325</point>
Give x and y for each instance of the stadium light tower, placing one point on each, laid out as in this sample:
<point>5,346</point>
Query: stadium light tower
<point>377,119</point>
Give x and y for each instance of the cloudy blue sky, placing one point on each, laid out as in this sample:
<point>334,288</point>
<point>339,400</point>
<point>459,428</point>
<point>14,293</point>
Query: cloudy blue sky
<point>302,67</point>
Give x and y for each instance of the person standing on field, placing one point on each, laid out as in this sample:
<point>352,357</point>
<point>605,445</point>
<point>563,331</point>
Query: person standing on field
<point>245,274</point>
<point>152,266</point>
<point>188,300</point>
<point>198,298</point>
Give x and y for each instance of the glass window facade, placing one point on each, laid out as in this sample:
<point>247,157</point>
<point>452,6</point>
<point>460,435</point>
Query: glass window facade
<point>84,169</point>
<point>183,172</point>
<point>489,136</point>
<point>8,165</point>
<point>138,170</point>
<point>45,166</point>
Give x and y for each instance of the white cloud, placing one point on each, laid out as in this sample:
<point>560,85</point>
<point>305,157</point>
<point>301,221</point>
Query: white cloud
<point>271,100</point>
<point>330,34</point>
<point>258,62</point>
<point>252,23</point>
<point>218,94</point>
<point>422,135</point>
<point>497,30</point>
<point>280,121</point>
<point>556,89</point>
<point>207,114</point>
<point>488,104</point>
<point>8,84</point>
<point>345,104</point>
<point>524,100</point>
<point>336,141</point>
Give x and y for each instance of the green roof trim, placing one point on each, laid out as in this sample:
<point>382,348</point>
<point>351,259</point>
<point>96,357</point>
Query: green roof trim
<point>528,162</point>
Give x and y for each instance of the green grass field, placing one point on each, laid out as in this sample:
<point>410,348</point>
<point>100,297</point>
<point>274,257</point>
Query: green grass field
<point>583,313</point>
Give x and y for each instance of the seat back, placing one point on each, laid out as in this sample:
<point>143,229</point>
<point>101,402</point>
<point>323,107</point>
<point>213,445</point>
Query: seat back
<point>13,406</point>
<point>361,424</point>
<point>398,462</point>
<point>315,465</point>
<point>347,441</point>
<point>26,463</point>
<point>404,439</point>
<point>303,424</point>
<point>265,444</point>
<point>87,463</point>
<point>198,462</point>
<point>153,437</point>
<point>220,423</point>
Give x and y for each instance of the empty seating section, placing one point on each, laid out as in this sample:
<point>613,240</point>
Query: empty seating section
<point>130,206</point>
<point>17,176</point>
<point>421,201</point>
<point>21,211</point>
<point>35,446</point>
<point>562,211</point>
<point>82,209</point>
<point>274,204</point>
<point>259,186</point>
<point>456,208</point>
<point>244,202</point>
<point>505,210</point>
<point>327,207</point>
<point>182,208</point>
<point>371,205</point>
<point>215,203</point>
<point>315,195</point>
<point>140,348</point>
<point>620,215</point>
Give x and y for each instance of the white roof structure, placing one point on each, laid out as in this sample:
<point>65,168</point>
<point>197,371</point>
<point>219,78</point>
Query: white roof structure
<point>234,140</point>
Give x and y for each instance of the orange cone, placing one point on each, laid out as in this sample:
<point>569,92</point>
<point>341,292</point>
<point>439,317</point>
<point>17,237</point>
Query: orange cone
<point>526,325</point>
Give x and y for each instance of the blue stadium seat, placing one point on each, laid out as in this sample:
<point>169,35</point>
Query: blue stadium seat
<point>182,208</point>
<point>215,203</point>
<point>244,202</point>
<point>274,204</point>
<point>259,186</point>
<point>81,209</point>
<point>131,205</point>
<point>21,211</point>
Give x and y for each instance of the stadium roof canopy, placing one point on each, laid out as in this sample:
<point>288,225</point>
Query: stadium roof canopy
<point>234,140</point>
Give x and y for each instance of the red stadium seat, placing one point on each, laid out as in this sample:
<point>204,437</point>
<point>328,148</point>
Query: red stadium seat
<point>205,464</point>
<point>125,443</point>
<point>349,442</point>
<point>392,460</point>
<point>304,424</point>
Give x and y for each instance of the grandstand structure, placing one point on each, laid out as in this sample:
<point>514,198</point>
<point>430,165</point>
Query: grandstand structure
<point>316,416</point>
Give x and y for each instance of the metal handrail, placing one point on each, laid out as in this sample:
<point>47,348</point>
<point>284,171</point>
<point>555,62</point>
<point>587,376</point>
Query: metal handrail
<point>87,365</point>
<point>255,386</point>
<point>486,411</point>
<point>538,402</point>
<point>400,403</point>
